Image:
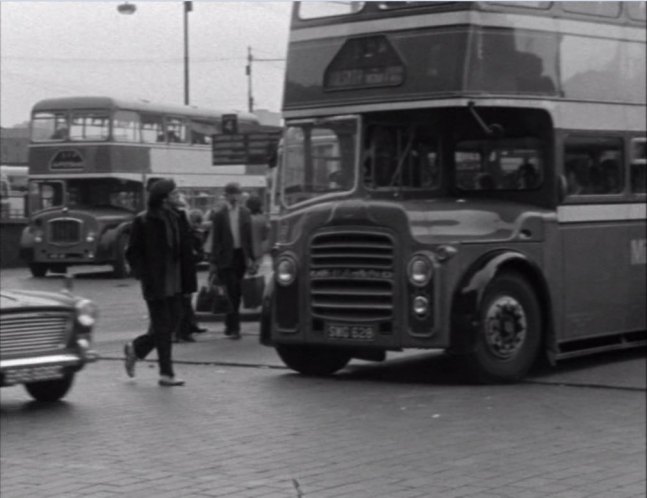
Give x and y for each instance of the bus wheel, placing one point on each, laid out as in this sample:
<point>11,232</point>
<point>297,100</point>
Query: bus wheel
<point>509,332</point>
<point>38,269</point>
<point>50,390</point>
<point>316,361</point>
<point>121,268</point>
<point>58,268</point>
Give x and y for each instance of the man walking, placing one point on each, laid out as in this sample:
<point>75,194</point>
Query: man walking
<point>158,256</point>
<point>231,251</point>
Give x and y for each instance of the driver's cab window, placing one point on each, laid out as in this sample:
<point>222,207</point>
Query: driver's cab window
<point>43,195</point>
<point>400,157</point>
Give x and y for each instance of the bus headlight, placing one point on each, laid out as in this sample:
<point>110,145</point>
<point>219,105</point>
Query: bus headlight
<point>86,312</point>
<point>286,271</point>
<point>90,237</point>
<point>38,236</point>
<point>420,306</point>
<point>420,270</point>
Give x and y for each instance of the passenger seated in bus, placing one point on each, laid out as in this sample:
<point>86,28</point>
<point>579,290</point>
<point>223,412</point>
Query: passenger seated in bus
<point>574,185</point>
<point>485,181</point>
<point>60,133</point>
<point>610,178</point>
<point>527,176</point>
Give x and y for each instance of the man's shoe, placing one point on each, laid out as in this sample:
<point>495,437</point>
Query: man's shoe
<point>234,335</point>
<point>198,330</point>
<point>186,338</point>
<point>130,359</point>
<point>168,381</point>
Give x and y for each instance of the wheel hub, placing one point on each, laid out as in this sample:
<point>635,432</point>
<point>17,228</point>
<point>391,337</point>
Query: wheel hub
<point>505,327</point>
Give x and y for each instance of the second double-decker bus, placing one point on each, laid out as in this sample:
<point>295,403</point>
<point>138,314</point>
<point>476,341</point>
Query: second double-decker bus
<point>91,160</point>
<point>467,176</point>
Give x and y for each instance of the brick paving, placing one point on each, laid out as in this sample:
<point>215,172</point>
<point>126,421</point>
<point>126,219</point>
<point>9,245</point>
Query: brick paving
<point>258,432</point>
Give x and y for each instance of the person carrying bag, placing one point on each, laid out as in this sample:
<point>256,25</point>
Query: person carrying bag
<point>213,297</point>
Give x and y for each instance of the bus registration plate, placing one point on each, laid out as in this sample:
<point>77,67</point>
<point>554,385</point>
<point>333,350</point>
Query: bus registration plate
<point>350,332</point>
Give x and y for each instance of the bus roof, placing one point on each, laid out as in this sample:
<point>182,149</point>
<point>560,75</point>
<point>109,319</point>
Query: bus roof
<point>101,102</point>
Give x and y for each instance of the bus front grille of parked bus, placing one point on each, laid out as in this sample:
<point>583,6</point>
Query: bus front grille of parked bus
<point>65,231</point>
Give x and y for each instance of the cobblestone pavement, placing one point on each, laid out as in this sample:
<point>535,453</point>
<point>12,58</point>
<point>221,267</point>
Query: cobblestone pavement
<point>379,431</point>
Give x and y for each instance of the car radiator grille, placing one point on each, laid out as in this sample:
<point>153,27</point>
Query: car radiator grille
<point>351,276</point>
<point>35,332</point>
<point>65,231</point>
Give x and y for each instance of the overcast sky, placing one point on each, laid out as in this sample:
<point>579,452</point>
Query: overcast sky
<point>54,49</point>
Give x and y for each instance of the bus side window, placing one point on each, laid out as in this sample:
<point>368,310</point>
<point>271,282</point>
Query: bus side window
<point>152,130</point>
<point>638,165</point>
<point>593,166</point>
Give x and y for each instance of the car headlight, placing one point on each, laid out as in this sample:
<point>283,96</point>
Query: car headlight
<point>286,271</point>
<point>86,312</point>
<point>420,270</point>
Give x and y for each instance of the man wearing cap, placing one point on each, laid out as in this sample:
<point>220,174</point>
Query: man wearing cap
<point>231,251</point>
<point>158,252</point>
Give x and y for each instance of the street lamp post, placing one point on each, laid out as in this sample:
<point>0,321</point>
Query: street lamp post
<point>188,7</point>
<point>129,8</point>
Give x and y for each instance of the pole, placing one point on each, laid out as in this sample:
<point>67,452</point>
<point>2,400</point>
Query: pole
<point>188,6</point>
<point>250,99</point>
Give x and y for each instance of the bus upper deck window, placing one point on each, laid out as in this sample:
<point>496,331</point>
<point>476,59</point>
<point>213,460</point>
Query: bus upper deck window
<point>636,10</point>
<point>126,126</point>
<point>88,126</point>
<point>315,10</point>
<point>598,9</point>
<point>176,130</point>
<point>201,132</point>
<point>151,128</point>
<point>49,126</point>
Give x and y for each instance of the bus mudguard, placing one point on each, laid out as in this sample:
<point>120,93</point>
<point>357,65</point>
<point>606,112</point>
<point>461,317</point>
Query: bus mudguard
<point>468,296</point>
<point>107,248</point>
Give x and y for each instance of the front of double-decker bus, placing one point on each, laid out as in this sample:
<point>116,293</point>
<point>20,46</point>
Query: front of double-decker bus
<point>409,181</point>
<point>80,204</point>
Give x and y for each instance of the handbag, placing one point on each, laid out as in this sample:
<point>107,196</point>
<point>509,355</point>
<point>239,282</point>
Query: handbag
<point>252,289</point>
<point>213,297</point>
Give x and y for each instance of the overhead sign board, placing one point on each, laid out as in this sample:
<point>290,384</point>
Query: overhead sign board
<point>253,148</point>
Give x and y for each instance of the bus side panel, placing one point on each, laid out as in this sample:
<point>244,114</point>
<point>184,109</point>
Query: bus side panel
<point>595,279</point>
<point>637,278</point>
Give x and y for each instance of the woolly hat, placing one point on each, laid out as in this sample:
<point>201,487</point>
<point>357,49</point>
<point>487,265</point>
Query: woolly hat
<point>159,190</point>
<point>232,188</point>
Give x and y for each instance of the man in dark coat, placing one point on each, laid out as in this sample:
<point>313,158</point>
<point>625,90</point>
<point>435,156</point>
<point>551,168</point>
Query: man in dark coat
<point>231,251</point>
<point>159,258</point>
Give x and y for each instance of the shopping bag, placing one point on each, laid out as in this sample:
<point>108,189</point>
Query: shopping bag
<point>252,289</point>
<point>213,297</point>
<point>221,303</point>
<point>205,298</point>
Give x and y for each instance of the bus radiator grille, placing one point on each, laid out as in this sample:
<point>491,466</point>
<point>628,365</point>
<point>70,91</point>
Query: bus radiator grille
<point>65,231</point>
<point>33,332</point>
<point>351,276</point>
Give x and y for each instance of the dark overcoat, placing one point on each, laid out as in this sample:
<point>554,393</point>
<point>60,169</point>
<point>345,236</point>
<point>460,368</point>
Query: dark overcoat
<point>222,248</point>
<point>149,248</point>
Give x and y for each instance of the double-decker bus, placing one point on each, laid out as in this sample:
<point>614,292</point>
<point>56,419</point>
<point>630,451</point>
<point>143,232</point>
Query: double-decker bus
<point>91,160</point>
<point>465,176</point>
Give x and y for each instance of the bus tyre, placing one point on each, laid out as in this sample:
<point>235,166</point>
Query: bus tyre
<point>509,333</point>
<point>38,269</point>
<point>315,361</point>
<point>50,390</point>
<point>121,268</point>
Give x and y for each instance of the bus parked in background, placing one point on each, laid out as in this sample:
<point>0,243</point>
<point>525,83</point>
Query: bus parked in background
<point>13,191</point>
<point>468,176</point>
<point>90,162</point>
